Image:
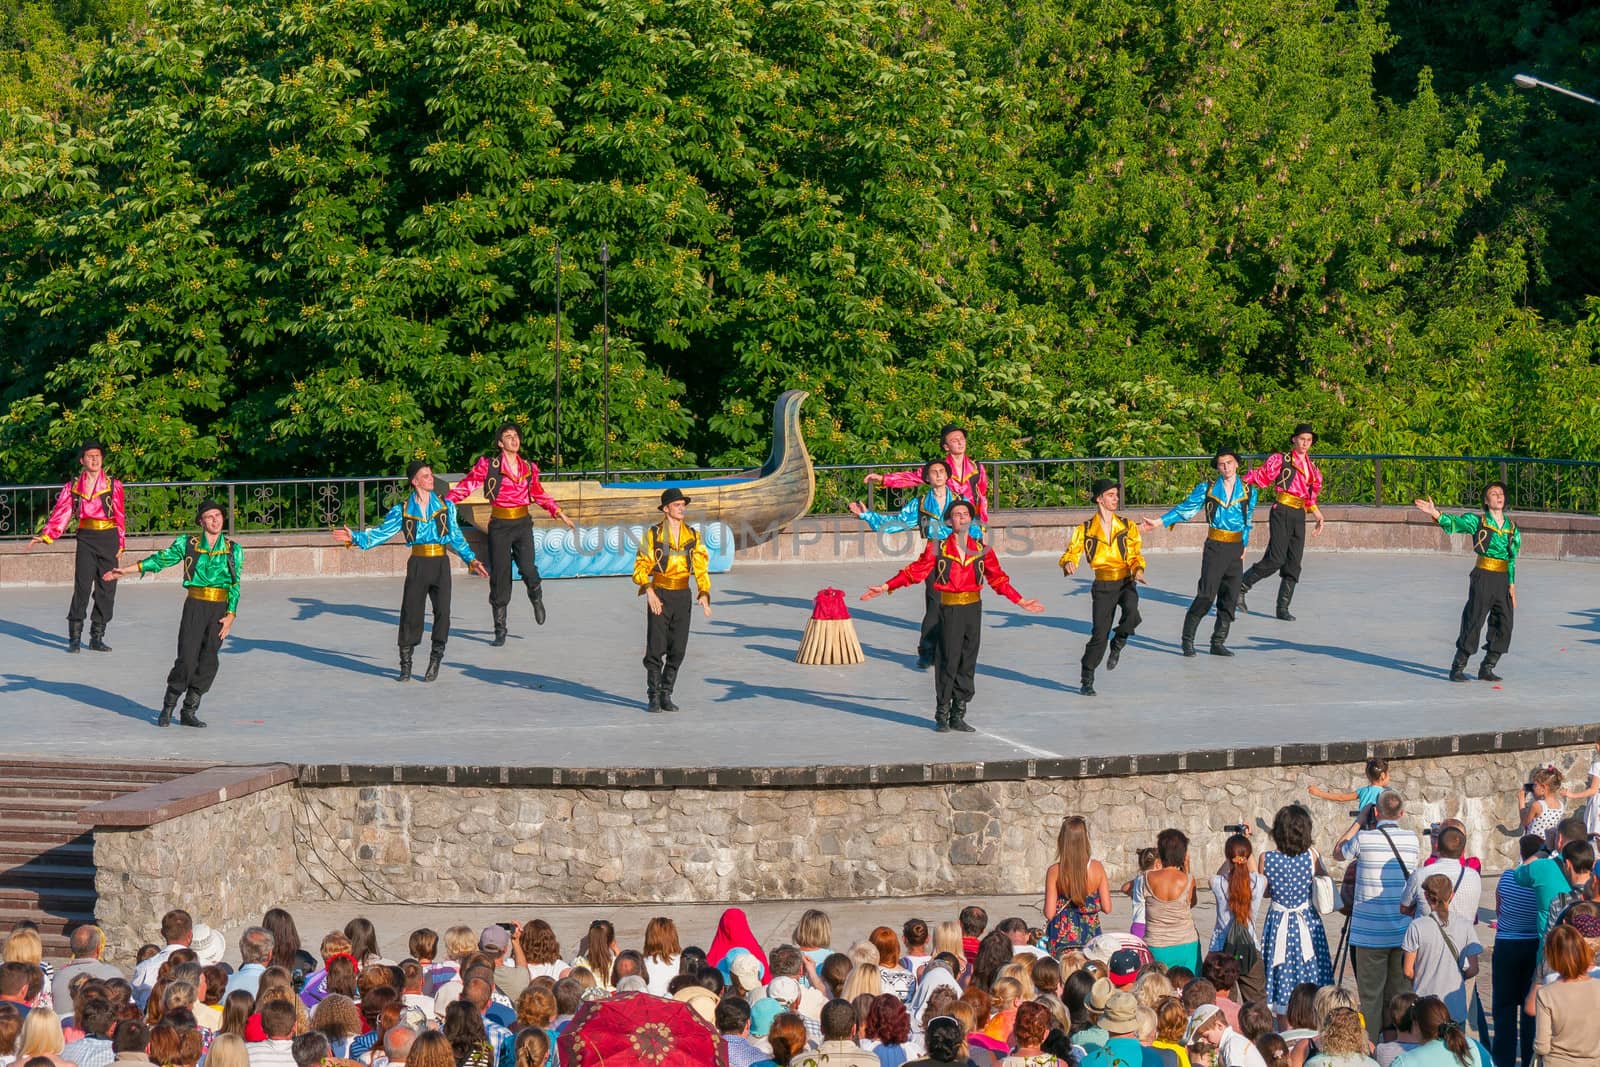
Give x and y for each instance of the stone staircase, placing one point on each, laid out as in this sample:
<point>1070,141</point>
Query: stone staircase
<point>46,856</point>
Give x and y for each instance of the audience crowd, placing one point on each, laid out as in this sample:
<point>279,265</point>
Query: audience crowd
<point>932,991</point>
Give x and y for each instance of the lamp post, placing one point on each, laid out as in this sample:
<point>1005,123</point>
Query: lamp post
<point>605,352</point>
<point>557,456</point>
<point>1528,81</point>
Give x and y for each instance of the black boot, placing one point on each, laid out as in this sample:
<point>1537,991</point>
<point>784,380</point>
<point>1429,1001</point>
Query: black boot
<point>1086,683</point>
<point>405,666</point>
<point>1239,606</point>
<point>1486,668</point>
<point>97,639</point>
<point>1115,655</point>
<point>434,659</point>
<point>1285,594</point>
<point>958,717</point>
<point>168,702</point>
<point>1190,624</point>
<point>941,718</point>
<point>669,678</point>
<point>499,626</point>
<point>1219,637</point>
<point>74,636</point>
<point>191,704</point>
<point>538,609</point>
<point>652,688</point>
<point>1458,668</point>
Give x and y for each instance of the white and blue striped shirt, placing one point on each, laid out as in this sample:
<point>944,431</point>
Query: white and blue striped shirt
<point>1380,884</point>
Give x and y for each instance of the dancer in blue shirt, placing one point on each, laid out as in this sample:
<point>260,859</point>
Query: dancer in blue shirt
<point>1229,504</point>
<point>429,524</point>
<point>924,512</point>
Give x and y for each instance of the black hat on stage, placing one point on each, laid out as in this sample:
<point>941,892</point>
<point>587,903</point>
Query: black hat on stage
<point>1304,427</point>
<point>1099,487</point>
<point>933,463</point>
<point>1224,452</point>
<point>207,505</point>
<point>91,445</point>
<point>414,466</point>
<point>949,429</point>
<point>671,496</point>
<point>960,502</point>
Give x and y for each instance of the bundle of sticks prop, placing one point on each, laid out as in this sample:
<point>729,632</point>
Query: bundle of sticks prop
<point>830,636</point>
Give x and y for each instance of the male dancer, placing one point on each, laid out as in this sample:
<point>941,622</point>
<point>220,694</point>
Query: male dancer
<point>669,553</point>
<point>960,564</point>
<point>429,525</point>
<point>211,566</point>
<point>1111,545</point>
<point>94,500</point>
<point>966,477</point>
<point>924,513</point>
<point>1228,504</point>
<point>510,483</point>
<point>1492,589</point>
<point>1297,482</point>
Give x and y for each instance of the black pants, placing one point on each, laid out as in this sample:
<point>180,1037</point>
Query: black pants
<point>666,636</point>
<point>1488,597</point>
<point>928,642</point>
<point>1221,566</point>
<point>198,643</point>
<point>955,665</point>
<point>427,578</point>
<point>1286,544</point>
<point>97,553</point>
<point>511,539</point>
<point>1515,964</point>
<point>1105,597</point>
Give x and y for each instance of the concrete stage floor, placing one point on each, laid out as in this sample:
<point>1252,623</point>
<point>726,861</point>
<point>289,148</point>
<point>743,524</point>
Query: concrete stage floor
<point>308,674</point>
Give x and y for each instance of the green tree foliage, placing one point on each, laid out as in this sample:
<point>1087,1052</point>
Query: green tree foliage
<point>320,236</point>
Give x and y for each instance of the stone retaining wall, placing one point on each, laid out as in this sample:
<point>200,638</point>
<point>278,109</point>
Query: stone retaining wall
<point>965,829</point>
<point>824,538</point>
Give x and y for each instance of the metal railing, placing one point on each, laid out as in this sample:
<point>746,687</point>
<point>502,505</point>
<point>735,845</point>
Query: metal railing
<point>293,505</point>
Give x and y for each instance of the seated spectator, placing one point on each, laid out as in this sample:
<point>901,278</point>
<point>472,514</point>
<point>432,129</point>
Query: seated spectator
<point>469,1038</point>
<point>41,1036</point>
<point>1222,971</point>
<point>414,977</point>
<point>255,955</point>
<point>96,1018</point>
<point>886,1032</point>
<point>946,1045</point>
<point>1172,1024</point>
<point>176,1046</point>
<point>1208,1026</point>
<point>397,1042</point>
<point>732,1020</point>
<point>947,938</point>
<point>339,1020</point>
<point>538,951</point>
<point>310,1050</point>
<point>598,950</point>
<point>1445,1043</point>
<point>892,977</point>
<point>14,980</point>
<point>837,1048</point>
<point>85,944</point>
<point>974,921</point>
<point>1006,995</point>
<point>10,1027</point>
<point>965,1012</point>
<point>1400,1032</point>
<point>916,935</point>
<point>787,961</point>
<point>662,951</point>
<point>1028,1037</point>
<point>1255,1019</point>
<point>23,945</point>
<point>430,1049</point>
<point>1020,935</point>
<point>129,1042</point>
<point>533,1048</point>
<point>1046,975</point>
<point>228,1050</point>
<point>746,982</point>
<point>277,1019</point>
<point>1274,1050</point>
<point>286,951</point>
<point>1120,1020</point>
<point>335,948</point>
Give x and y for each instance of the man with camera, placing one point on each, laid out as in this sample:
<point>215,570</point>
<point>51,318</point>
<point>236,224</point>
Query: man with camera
<point>1449,859</point>
<point>1384,855</point>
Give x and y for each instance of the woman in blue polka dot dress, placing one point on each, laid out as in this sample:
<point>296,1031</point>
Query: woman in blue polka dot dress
<point>1293,941</point>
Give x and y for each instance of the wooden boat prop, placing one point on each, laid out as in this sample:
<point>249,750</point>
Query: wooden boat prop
<point>755,504</point>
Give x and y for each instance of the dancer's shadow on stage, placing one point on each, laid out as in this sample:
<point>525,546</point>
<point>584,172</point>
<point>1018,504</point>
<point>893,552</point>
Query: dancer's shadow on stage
<point>1349,655</point>
<point>87,695</point>
<point>805,604</point>
<point>310,608</point>
<point>31,634</point>
<point>306,653</point>
<point>543,683</point>
<point>738,689</point>
<point>1592,615</point>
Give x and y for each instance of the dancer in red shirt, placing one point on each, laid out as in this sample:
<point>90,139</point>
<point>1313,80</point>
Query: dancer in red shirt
<point>1297,482</point>
<point>92,500</point>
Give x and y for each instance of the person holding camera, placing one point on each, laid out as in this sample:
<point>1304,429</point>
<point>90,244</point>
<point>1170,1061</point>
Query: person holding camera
<point>1384,855</point>
<point>1466,884</point>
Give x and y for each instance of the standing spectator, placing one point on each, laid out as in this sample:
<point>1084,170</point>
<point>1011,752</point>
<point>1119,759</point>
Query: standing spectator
<point>837,1048</point>
<point>1591,793</point>
<point>1342,1042</point>
<point>916,935</point>
<point>1169,901</point>
<point>1516,958</point>
<point>86,944</point>
<point>1294,941</point>
<point>1237,891</point>
<point>1445,1042</point>
<point>1541,807</point>
<point>1567,1011</point>
<point>662,951</point>
<point>96,1019</point>
<point>1441,949</point>
<point>1559,880</point>
<point>1076,892</point>
<point>1385,856</point>
<point>894,978</point>
<point>1466,884</point>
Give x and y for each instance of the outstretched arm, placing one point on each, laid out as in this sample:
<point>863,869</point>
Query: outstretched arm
<point>56,525</point>
<point>470,484</point>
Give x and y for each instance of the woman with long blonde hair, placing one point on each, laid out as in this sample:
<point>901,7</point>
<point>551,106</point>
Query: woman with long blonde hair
<point>1076,892</point>
<point>41,1036</point>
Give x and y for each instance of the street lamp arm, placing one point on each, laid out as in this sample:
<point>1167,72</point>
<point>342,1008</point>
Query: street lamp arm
<point>1528,81</point>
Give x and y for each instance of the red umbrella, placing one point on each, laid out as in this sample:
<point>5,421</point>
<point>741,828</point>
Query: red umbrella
<point>639,1030</point>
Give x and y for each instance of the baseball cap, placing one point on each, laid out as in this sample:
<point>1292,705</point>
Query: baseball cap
<point>784,988</point>
<point>495,939</point>
<point>1124,966</point>
<point>747,969</point>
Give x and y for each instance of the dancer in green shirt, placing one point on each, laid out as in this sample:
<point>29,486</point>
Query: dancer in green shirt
<point>1492,589</point>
